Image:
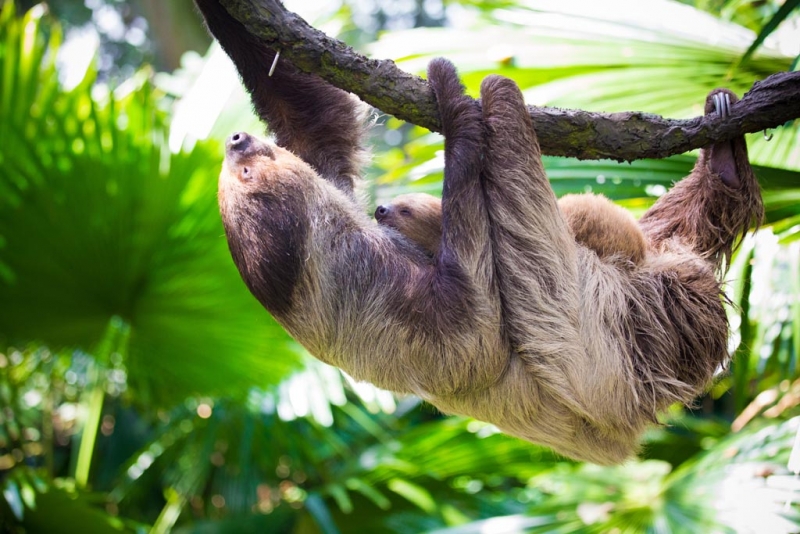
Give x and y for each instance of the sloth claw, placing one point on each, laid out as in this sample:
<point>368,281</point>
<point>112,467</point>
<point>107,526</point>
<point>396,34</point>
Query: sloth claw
<point>722,104</point>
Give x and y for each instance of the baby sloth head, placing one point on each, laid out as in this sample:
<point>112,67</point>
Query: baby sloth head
<point>417,216</point>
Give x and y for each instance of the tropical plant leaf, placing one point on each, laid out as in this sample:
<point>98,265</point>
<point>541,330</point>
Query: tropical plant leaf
<point>39,505</point>
<point>743,476</point>
<point>101,226</point>
<point>602,57</point>
<point>773,23</point>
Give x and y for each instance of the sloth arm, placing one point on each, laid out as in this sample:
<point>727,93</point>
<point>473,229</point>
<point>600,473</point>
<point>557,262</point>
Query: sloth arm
<point>317,122</point>
<point>719,201</point>
<point>442,320</point>
<point>458,299</point>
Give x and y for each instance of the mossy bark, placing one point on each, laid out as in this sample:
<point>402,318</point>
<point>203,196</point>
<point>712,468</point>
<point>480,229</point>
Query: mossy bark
<point>562,132</point>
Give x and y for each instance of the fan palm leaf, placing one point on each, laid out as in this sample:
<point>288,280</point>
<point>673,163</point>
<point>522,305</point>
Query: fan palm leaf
<point>102,229</point>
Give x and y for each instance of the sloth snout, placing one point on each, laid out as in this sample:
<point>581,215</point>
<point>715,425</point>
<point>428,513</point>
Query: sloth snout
<point>239,142</point>
<point>244,144</point>
<point>381,213</point>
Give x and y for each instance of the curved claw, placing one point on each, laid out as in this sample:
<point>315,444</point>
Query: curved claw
<point>722,104</point>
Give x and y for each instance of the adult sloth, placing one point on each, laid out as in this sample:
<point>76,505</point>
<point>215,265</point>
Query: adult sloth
<point>511,321</point>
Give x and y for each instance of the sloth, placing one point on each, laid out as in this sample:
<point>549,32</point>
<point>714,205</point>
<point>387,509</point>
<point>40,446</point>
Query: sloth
<point>511,321</point>
<point>417,216</point>
<point>594,221</point>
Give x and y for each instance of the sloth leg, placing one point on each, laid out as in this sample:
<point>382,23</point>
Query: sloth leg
<point>465,220</point>
<point>534,251</point>
<point>721,159</point>
<point>456,303</point>
<point>535,257</point>
<point>317,122</point>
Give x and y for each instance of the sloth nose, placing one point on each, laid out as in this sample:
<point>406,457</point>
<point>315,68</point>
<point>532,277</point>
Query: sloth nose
<point>242,144</point>
<point>239,142</point>
<point>381,212</point>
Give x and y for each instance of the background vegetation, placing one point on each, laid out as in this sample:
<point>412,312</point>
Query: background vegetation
<point>143,389</point>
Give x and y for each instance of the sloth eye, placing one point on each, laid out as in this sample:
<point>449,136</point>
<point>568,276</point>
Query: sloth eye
<point>246,172</point>
<point>405,211</point>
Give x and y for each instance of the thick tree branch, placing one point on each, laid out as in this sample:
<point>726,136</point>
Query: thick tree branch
<point>562,132</point>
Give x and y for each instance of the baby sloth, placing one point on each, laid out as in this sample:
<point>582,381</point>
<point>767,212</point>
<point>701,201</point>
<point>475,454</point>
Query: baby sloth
<point>596,223</point>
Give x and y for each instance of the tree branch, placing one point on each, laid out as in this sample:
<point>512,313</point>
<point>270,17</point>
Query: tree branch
<point>561,132</point>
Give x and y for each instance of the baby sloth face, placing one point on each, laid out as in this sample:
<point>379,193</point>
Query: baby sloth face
<point>417,216</point>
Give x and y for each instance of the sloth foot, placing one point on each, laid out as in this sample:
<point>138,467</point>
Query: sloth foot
<point>722,104</point>
<point>722,158</point>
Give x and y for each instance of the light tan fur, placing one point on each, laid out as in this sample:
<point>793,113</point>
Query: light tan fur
<point>602,226</point>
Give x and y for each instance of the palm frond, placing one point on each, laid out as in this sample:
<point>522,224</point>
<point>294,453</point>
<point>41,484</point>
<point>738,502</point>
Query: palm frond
<point>102,226</point>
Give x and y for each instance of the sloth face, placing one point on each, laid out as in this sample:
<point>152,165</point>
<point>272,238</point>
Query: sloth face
<point>418,216</point>
<point>248,160</point>
<point>262,199</point>
<point>252,164</point>
<point>254,168</point>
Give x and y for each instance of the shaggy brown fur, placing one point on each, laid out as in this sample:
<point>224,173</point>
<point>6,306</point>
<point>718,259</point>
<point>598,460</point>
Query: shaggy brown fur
<point>595,222</point>
<point>511,322</point>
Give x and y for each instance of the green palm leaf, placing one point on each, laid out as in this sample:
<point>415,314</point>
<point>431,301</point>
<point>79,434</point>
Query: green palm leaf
<point>781,15</point>
<point>101,226</point>
<point>395,466</point>
<point>739,484</point>
<point>602,57</point>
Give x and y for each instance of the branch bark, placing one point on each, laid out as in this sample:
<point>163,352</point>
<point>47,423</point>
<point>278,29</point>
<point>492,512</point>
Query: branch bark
<point>562,132</point>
